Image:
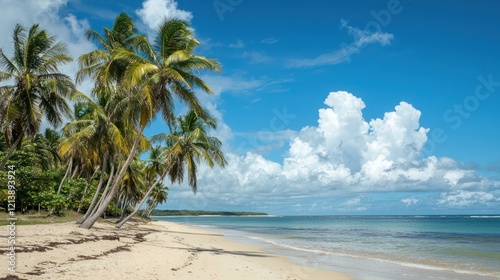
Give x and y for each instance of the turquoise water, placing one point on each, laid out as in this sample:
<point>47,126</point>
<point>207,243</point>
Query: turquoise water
<point>374,247</point>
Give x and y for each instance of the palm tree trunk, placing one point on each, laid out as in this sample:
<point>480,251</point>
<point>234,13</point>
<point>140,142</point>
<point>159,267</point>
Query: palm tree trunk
<point>74,172</point>
<point>92,219</point>
<point>146,196</point>
<point>125,205</point>
<point>143,214</point>
<point>104,192</point>
<point>150,211</point>
<point>11,151</point>
<point>96,194</point>
<point>70,165</point>
<point>117,203</point>
<point>86,188</point>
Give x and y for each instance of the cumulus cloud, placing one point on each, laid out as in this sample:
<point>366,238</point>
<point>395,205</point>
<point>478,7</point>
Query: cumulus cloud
<point>153,12</point>
<point>343,154</point>
<point>68,28</point>
<point>361,38</point>
<point>461,198</point>
<point>409,201</point>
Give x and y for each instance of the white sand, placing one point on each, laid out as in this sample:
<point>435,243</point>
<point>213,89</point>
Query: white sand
<point>157,250</point>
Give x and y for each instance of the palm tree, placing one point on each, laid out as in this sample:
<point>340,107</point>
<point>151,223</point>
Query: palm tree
<point>100,65</point>
<point>168,72</point>
<point>43,149</point>
<point>152,80</point>
<point>133,186</point>
<point>107,72</point>
<point>38,88</point>
<point>188,145</point>
<point>154,164</point>
<point>96,136</point>
<point>158,195</point>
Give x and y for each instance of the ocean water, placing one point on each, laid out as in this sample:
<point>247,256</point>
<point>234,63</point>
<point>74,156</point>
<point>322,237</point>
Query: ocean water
<point>374,247</point>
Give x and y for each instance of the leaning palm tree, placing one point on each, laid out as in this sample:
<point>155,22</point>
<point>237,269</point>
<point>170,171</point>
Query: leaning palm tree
<point>152,81</point>
<point>38,90</point>
<point>188,145</point>
<point>133,187</point>
<point>97,137</point>
<point>107,72</point>
<point>158,195</point>
<point>154,164</point>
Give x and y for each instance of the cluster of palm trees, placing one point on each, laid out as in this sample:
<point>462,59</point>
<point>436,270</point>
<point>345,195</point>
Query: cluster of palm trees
<point>134,81</point>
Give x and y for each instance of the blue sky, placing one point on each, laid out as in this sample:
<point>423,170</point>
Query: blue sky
<point>331,107</point>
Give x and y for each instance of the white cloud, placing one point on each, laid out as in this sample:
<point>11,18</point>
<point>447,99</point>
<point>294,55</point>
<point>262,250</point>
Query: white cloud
<point>461,198</point>
<point>353,204</point>
<point>342,154</point>
<point>361,38</point>
<point>153,12</point>
<point>232,84</point>
<point>453,176</point>
<point>238,45</point>
<point>409,201</point>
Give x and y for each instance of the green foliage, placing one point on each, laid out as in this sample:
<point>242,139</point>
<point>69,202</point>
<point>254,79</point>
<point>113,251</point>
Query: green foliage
<point>37,178</point>
<point>134,81</point>
<point>73,189</point>
<point>50,200</point>
<point>200,213</point>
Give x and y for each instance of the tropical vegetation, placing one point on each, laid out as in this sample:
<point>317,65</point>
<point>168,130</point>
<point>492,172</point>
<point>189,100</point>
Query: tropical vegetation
<point>157,212</point>
<point>94,158</point>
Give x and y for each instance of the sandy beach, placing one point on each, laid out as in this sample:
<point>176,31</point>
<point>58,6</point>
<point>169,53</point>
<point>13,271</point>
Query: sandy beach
<point>156,250</point>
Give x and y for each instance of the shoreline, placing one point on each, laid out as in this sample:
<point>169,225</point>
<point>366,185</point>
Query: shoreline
<point>194,216</point>
<point>156,250</point>
<point>390,266</point>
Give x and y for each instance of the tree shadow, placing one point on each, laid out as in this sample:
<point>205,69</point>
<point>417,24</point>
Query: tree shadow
<point>217,251</point>
<point>193,233</point>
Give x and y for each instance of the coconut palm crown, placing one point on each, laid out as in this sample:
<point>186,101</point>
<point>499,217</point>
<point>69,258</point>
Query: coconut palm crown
<point>37,87</point>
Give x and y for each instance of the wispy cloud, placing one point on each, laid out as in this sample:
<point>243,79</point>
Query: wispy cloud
<point>257,57</point>
<point>208,44</point>
<point>238,45</point>
<point>361,38</point>
<point>232,84</point>
<point>269,41</point>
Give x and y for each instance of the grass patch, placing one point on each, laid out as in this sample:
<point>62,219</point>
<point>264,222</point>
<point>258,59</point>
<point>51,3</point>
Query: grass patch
<point>42,218</point>
<point>68,216</point>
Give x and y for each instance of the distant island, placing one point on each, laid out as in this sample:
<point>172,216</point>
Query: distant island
<point>203,213</point>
